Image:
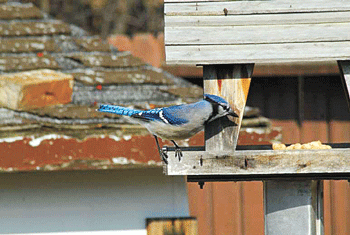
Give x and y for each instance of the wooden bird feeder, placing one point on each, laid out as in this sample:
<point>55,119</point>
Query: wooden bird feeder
<point>228,38</point>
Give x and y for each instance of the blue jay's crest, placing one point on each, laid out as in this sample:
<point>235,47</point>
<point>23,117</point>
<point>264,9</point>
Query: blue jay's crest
<point>216,99</point>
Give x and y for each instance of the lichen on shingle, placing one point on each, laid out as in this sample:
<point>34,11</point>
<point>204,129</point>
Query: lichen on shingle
<point>23,63</point>
<point>22,11</point>
<point>107,60</point>
<point>102,74</point>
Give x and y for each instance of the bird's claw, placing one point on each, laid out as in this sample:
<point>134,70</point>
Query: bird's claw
<point>178,153</point>
<point>164,155</point>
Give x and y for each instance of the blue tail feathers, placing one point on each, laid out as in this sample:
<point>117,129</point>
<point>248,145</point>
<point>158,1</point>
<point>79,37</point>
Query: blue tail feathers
<point>117,110</point>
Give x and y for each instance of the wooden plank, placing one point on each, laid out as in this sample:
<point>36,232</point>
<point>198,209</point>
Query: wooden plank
<point>252,208</point>
<point>340,206</point>
<point>339,131</point>
<point>260,19</point>
<point>231,82</point>
<point>312,130</point>
<point>297,69</point>
<point>345,72</point>
<point>257,34</point>
<point>254,7</point>
<point>35,89</point>
<point>201,206</point>
<point>327,205</point>
<point>258,53</point>
<point>227,202</point>
<point>263,162</point>
<point>185,226</point>
<point>291,131</point>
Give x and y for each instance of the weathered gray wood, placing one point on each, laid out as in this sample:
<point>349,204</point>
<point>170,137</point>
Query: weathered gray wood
<point>258,53</point>
<point>260,162</point>
<point>227,35</point>
<point>345,72</point>
<point>231,82</point>
<point>259,19</point>
<point>254,7</point>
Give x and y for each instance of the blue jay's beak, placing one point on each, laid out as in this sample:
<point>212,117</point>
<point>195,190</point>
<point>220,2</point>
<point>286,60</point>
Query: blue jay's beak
<point>232,113</point>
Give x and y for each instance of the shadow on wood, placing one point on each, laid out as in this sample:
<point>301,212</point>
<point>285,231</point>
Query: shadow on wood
<point>231,82</point>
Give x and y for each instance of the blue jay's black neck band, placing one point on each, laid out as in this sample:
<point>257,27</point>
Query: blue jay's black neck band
<point>215,107</point>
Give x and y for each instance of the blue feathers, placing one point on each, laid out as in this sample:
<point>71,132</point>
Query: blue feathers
<point>166,115</point>
<point>149,115</point>
<point>174,115</point>
<point>117,110</point>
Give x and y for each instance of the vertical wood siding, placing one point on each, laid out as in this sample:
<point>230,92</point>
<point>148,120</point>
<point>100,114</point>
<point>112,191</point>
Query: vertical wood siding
<point>237,208</point>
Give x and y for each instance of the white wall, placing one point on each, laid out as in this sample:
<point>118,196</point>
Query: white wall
<point>88,200</point>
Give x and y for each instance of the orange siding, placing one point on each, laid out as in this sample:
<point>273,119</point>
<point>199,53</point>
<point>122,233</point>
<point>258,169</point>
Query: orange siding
<point>291,132</point>
<point>224,194</point>
<point>339,131</point>
<point>339,207</point>
<point>144,46</point>
<point>339,191</point>
<point>200,203</point>
<point>228,207</point>
<point>314,130</point>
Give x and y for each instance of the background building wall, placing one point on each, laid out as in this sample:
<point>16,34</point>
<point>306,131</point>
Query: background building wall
<point>88,200</point>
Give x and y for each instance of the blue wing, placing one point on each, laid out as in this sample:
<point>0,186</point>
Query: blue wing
<point>174,115</point>
<point>148,115</point>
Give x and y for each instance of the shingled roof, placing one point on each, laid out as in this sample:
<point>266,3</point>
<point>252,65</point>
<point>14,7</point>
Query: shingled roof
<point>73,135</point>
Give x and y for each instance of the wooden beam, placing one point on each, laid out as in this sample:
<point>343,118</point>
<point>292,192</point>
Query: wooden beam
<point>252,34</point>
<point>197,8</point>
<point>344,67</point>
<point>258,53</point>
<point>260,162</point>
<point>258,19</point>
<point>231,82</point>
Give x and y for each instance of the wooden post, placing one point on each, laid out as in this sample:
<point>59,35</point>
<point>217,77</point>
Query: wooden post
<point>344,67</point>
<point>232,82</point>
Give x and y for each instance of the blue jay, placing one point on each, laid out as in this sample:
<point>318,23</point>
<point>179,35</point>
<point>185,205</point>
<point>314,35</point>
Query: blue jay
<point>176,122</point>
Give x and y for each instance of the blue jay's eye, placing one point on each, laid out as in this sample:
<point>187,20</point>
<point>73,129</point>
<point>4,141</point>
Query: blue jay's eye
<point>226,107</point>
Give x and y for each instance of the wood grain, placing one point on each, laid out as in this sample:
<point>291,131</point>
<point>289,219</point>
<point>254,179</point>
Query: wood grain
<point>254,7</point>
<point>258,19</point>
<point>231,82</point>
<point>262,34</point>
<point>276,31</point>
<point>258,53</point>
<point>260,162</point>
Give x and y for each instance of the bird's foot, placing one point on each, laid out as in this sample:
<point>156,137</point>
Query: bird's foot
<point>164,155</point>
<point>178,153</point>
